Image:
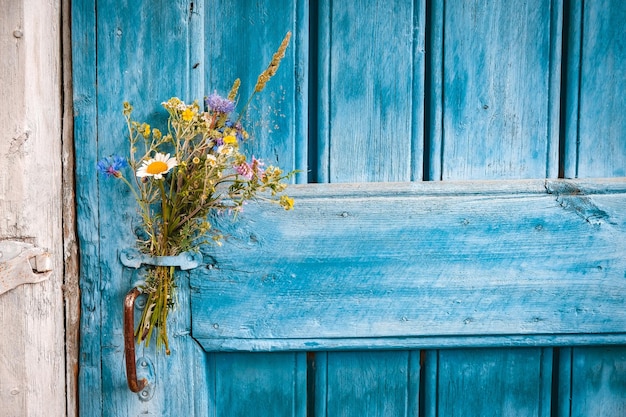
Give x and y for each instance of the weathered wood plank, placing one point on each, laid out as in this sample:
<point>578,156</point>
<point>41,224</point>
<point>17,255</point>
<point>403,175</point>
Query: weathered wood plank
<point>496,383</point>
<point>598,382</point>
<point>258,383</point>
<point>276,119</point>
<point>126,70</point>
<point>500,81</point>
<point>32,380</point>
<point>371,91</point>
<point>432,261</point>
<point>85,130</point>
<point>71,267</point>
<point>595,128</point>
<point>369,384</point>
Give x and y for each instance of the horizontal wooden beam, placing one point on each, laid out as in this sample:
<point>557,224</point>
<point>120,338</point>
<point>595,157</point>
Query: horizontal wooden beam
<point>409,265</point>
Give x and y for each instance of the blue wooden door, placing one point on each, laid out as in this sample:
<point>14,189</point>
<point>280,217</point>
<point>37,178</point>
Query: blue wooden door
<point>435,264</point>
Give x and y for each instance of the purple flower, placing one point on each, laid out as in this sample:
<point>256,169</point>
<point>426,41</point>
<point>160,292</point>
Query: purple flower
<point>245,170</point>
<point>111,165</point>
<point>219,104</point>
<point>248,170</point>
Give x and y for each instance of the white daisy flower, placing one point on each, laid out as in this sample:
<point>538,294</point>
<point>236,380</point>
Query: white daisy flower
<point>156,167</point>
<point>211,160</point>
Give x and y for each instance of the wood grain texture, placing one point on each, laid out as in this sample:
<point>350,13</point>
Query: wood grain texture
<point>242,384</point>
<point>487,382</point>
<point>71,290</point>
<point>500,84</point>
<point>595,131</point>
<point>32,380</point>
<point>371,91</point>
<point>31,316</point>
<point>130,66</point>
<point>276,118</point>
<point>368,384</point>
<point>85,130</point>
<point>418,260</point>
<point>128,70</point>
<point>363,267</point>
<point>598,381</point>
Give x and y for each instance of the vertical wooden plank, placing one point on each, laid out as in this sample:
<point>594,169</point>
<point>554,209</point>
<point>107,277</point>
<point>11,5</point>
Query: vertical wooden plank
<point>32,377</point>
<point>242,49</point>
<point>260,384</point>
<point>554,93</point>
<point>85,134</point>
<point>599,381</point>
<point>499,82</point>
<point>301,93</point>
<point>601,118</point>
<point>320,136</point>
<point>133,62</point>
<point>594,144</point>
<point>71,293</point>
<point>372,384</point>
<point>320,385</point>
<point>489,382</point>
<point>418,99</point>
<point>374,102</point>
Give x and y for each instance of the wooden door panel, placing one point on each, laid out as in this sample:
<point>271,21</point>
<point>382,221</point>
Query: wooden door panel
<point>420,265</point>
<point>386,92</point>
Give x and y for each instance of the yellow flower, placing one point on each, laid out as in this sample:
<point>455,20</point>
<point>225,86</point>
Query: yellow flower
<point>230,140</point>
<point>286,202</point>
<point>146,131</point>
<point>156,167</point>
<point>196,160</point>
<point>188,114</point>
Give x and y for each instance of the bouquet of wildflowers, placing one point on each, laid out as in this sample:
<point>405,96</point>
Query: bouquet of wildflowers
<point>181,176</point>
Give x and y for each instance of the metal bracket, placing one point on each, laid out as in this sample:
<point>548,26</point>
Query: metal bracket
<point>132,258</point>
<point>22,263</point>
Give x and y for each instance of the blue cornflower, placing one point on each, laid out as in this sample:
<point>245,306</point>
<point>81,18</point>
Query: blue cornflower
<point>219,104</point>
<point>111,165</point>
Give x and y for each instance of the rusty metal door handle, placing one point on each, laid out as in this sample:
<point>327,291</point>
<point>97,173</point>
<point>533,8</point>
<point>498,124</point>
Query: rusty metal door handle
<point>129,342</point>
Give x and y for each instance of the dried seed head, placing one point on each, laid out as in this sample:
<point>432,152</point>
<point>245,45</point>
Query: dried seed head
<point>234,89</point>
<point>273,66</point>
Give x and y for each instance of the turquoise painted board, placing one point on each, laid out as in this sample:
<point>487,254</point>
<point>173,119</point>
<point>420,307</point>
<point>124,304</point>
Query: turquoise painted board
<point>370,91</point>
<point>595,129</point>
<point>85,125</point>
<point>518,378</point>
<point>257,384</point>
<point>378,383</point>
<point>238,40</point>
<point>595,146</point>
<point>496,78</point>
<point>493,113</point>
<point>479,273</point>
<point>599,381</point>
